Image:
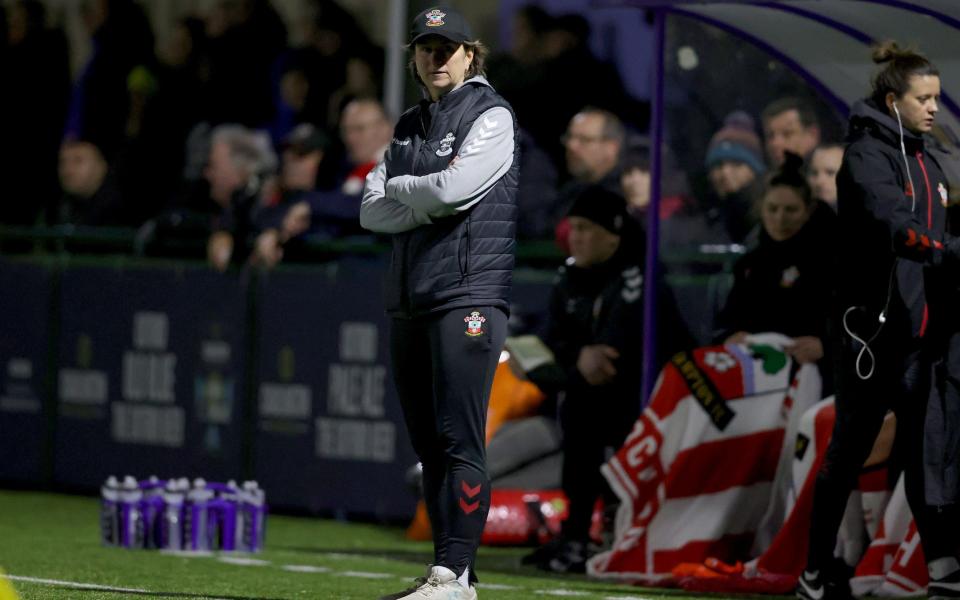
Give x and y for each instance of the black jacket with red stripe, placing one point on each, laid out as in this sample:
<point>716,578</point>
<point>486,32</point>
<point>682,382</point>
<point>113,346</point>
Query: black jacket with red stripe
<point>894,248</point>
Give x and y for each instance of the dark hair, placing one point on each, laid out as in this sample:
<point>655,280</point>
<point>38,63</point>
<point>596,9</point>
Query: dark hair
<point>792,174</point>
<point>808,117</point>
<point>478,66</point>
<point>900,65</point>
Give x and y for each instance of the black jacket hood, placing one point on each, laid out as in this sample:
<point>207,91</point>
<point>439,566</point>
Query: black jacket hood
<point>866,116</point>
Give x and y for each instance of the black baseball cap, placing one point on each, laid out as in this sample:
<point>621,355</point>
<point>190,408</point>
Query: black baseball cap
<point>304,139</point>
<point>443,21</point>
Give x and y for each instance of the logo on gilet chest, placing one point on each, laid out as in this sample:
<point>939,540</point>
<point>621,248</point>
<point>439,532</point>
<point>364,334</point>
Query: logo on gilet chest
<point>446,144</point>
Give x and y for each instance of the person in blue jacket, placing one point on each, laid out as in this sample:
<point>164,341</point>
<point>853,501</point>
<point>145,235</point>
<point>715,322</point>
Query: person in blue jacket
<point>446,192</point>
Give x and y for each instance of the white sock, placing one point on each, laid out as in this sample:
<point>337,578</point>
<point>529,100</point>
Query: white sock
<point>942,567</point>
<point>464,579</point>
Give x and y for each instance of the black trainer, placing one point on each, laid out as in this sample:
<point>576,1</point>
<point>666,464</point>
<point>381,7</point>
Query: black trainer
<point>945,588</point>
<point>830,583</point>
<point>810,586</point>
<point>571,558</point>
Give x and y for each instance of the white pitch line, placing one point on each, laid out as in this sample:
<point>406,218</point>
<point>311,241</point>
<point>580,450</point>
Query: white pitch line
<point>305,569</point>
<point>363,574</point>
<point>75,584</point>
<point>243,561</point>
<point>561,593</point>
<point>496,586</point>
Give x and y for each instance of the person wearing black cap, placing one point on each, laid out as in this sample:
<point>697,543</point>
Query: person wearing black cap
<point>595,333</point>
<point>446,193</point>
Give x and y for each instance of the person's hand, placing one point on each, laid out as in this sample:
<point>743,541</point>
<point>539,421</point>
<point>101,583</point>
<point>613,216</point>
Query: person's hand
<point>219,250</point>
<point>296,221</point>
<point>739,337</point>
<point>595,363</point>
<point>806,349</point>
<point>267,251</point>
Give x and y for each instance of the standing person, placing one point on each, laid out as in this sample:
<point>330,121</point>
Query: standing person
<point>446,191</point>
<point>893,251</point>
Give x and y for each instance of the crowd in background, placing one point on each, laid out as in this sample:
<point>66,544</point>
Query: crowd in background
<point>226,132</point>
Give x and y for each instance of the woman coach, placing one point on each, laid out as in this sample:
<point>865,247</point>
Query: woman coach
<point>446,192</point>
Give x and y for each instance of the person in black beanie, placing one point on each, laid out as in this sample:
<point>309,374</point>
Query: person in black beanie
<point>596,335</point>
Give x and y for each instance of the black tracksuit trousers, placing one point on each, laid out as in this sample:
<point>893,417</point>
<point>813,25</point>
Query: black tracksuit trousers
<point>901,381</point>
<point>443,369</point>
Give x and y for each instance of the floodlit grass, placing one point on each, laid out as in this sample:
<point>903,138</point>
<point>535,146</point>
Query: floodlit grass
<point>55,537</point>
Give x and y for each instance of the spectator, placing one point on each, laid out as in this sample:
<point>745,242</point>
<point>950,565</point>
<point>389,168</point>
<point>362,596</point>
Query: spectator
<point>822,173</point>
<point>239,162</point>
<point>787,283</point>
<point>593,142</point>
<point>724,205</point>
<point>245,37</point>
<point>90,193</point>
<point>635,182</point>
<point>734,164</point>
<point>122,40</point>
<point>286,214</point>
<point>595,332</point>
<point>33,107</point>
<point>789,125</point>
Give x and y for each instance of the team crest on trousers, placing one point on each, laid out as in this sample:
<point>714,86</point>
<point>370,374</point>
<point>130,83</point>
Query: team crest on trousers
<point>474,323</point>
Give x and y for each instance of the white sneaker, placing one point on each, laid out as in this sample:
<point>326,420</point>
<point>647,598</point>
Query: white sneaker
<point>441,584</point>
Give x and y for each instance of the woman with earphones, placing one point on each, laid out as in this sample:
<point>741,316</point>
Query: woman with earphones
<point>893,253</point>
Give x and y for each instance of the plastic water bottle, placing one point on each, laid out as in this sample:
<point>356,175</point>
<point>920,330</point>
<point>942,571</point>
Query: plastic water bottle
<point>196,526</point>
<point>254,504</point>
<point>228,511</point>
<point>151,507</point>
<point>171,522</point>
<point>132,529</point>
<point>110,512</point>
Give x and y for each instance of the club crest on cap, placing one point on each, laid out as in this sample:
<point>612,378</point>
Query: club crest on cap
<point>435,18</point>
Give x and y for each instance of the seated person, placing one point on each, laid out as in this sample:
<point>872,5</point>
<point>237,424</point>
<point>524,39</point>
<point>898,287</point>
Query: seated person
<point>239,162</point>
<point>787,283</point>
<point>724,209</point>
<point>822,172</point>
<point>91,195</point>
<point>366,132</point>
<point>595,333</point>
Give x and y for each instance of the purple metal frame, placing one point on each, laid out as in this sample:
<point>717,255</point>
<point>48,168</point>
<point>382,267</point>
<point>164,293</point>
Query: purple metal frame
<point>649,374</point>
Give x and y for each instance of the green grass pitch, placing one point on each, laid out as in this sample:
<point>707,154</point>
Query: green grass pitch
<point>55,538</point>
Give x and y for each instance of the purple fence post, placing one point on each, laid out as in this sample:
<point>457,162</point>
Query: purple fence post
<point>653,211</point>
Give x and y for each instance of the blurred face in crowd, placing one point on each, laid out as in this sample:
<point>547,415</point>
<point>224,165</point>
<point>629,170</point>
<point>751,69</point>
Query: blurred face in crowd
<point>785,133</point>
<point>918,106</point>
<point>82,169</point>
<point>822,175</point>
<point>294,89</point>
<point>783,212</point>
<point>590,154</point>
<point>223,174</point>
<point>730,176</point>
<point>441,64</point>
<point>591,244</point>
<point>178,48</point>
<point>636,187</point>
<point>299,170</point>
<point>365,131</point>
